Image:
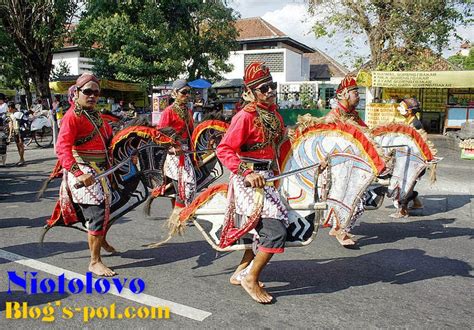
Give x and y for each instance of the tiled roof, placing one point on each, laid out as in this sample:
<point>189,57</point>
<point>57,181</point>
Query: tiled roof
<point>255,28</point>
<point>323,66</point>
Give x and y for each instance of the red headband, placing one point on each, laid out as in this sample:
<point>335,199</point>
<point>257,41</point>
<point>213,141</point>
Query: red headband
<point>256,73</point>
<point>85,78</point>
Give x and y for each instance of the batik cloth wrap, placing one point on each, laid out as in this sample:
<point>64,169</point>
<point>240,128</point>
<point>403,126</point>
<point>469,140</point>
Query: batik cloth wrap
<point>180,168</point>
<point>246,207</point>
<point>94,163</point>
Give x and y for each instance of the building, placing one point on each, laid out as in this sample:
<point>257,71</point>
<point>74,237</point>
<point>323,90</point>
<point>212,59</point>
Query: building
<point>298,68</point>
<point>71,55</point>
<point>260,41</point>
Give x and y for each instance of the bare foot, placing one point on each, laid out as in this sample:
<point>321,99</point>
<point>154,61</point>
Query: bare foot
<point>255,291</point>
<point>344,239</point>
<point>107,247</point>
<point>233,280</point>
<point>334,233</point>
<point>99,269</point>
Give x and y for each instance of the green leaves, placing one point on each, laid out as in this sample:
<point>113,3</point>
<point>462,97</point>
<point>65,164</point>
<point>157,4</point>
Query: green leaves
<point>155,41</point>
<point>393,25</point>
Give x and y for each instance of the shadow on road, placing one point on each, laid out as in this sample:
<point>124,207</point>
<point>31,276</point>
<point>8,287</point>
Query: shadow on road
<point>388,266</point>
<point>382,233</point>
<point>23,222</point>
<point>170,253</point>
<point>32,300</point>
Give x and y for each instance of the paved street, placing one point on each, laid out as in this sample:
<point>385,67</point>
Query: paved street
<point>411,273</point>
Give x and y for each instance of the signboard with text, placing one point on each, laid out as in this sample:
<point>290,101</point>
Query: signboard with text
<point>434,79</point>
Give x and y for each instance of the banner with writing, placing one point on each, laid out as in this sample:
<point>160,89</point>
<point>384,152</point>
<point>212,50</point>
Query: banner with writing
<point>382,113</point>
<point>434,79</point>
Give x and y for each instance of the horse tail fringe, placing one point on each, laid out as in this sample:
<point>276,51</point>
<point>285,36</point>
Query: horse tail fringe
<point>432,168</point>
<point>147,205</point>
<point>43,234</point>
<point>43,188</point>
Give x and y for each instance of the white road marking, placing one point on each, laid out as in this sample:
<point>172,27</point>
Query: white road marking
<point>178,309</point>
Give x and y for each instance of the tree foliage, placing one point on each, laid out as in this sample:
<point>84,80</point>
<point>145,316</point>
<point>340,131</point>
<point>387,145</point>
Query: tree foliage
<point>36,28</point>
<point>153,41</point>
<point>465,62</point>
<point>61,69</point>
<point>409,25</point>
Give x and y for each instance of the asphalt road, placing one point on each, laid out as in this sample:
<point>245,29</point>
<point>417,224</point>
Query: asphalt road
<point>411,273</point>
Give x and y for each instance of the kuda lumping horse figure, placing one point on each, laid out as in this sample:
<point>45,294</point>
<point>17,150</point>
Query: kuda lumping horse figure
<point>411,154</point>
<point>332,196</point>
<point>132,184</point>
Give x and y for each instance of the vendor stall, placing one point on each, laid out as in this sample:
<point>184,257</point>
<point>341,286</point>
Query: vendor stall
<point>446,97</point>
<point>111,91</point>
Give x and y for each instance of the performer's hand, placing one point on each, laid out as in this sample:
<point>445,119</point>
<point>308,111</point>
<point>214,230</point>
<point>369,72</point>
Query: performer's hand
<point>86,179</point>
<point>255,180</point>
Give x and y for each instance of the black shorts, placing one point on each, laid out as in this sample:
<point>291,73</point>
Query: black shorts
<point>94,217</point>
<point>272,234</point>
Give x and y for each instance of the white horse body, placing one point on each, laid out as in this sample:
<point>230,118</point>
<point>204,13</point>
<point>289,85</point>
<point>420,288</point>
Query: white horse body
<point>339,188</point>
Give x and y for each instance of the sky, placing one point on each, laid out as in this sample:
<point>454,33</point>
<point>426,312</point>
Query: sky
<point>292,18</point>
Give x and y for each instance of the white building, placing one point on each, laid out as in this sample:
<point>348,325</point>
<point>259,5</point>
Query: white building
<point>260,41</point>
<point>71,55</point>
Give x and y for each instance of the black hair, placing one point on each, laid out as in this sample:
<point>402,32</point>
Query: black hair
<point>11,104</point>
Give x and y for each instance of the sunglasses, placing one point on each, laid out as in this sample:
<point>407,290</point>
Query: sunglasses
<point>266,87</point>
<point>90,91</point>
<point>185,92</point>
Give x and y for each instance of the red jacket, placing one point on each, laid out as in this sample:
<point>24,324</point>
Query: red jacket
<point>73,128</point>
<point>170,118</point>
<point>245,131</point>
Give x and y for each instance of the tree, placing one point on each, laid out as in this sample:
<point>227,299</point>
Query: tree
<point>153,41</point>
<point>61,69</point>
<point>36,28</point>
<point>409,25</point>
<point>465,62</point>
<point>13,72</point>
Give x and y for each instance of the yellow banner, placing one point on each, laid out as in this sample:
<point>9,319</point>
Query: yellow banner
<point>61,87</point>
<point>382,113</point>
<point>433,79</point>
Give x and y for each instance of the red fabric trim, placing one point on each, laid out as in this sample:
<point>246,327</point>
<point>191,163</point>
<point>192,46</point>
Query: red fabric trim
<point>144,131</point>
<point>97,232</point>
<point>354,131</point>
<point>203,197</point>
<point>271,250</point>
<point>407,130</point>
<point>178,204</point>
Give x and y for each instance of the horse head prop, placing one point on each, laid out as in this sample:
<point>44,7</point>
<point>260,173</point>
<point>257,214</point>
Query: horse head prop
<point>411,154</point>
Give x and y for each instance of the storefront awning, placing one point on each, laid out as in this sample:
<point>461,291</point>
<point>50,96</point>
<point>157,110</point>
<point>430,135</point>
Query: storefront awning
<point>61,87</point>
<point>423,79</point>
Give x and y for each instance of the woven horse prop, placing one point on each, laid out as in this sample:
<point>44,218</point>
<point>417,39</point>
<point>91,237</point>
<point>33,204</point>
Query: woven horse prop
<point>411,154</point>
<point>132,183</point>
<point>332,196</point>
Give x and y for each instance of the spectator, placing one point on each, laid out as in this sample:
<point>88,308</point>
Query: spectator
<point>18,123</point>
<point>3,105</point>
<point>284,103</point>
<point>198,108</point>
<point>297,102</point>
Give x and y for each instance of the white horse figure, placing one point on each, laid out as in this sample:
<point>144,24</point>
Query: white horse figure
<point>412,154</point>
<point>333,194</point>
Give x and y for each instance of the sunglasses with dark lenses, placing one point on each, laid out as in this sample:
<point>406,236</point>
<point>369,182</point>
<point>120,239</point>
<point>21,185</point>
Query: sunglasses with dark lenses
<point>185,91</point>
<point>265,88</point>
<point>90,91</point>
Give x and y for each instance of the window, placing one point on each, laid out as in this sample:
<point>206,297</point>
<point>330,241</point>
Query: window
<point>274,61</point>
